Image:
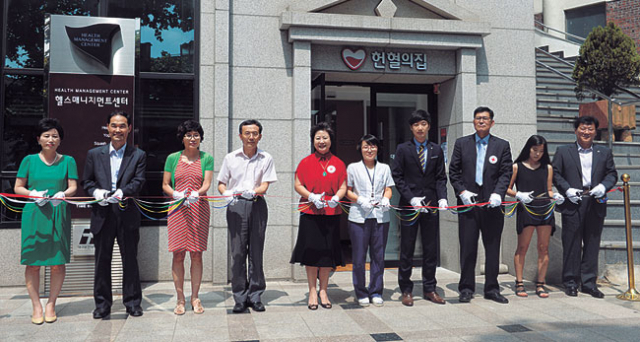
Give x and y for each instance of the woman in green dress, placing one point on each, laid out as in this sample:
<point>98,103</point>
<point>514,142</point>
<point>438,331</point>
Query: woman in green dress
<point>48,177</point>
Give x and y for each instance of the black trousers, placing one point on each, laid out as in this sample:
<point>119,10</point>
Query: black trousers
<point>128,243</point>
<point>581,233</point>
<point>489,222</point>
<point>428,225</point>
<point>247,222</point>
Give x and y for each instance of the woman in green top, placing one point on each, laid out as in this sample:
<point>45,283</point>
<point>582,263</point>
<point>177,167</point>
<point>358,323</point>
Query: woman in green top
<point>48,177</point>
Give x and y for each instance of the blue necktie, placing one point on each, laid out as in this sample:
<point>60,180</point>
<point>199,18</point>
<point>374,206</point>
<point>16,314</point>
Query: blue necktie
<point>482,151</point>
<point>421,156</point>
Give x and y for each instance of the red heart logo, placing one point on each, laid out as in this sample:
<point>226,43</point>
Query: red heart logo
<point>353,59</point>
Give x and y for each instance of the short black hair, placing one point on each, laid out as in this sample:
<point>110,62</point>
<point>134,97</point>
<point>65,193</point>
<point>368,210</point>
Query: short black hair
<point>189,126</point>
<point>249,123</point>
<point>322,126</point>
<point>419,115</point>
<point>587,120</point>
<point>121,113</point>
<point>48,124</point>
<point>483,109</point>
<point>370,139</point>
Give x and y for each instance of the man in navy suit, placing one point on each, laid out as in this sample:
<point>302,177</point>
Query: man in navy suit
<point>113,172</point>
<point>580,169</point>
<point>419,173</point>
<point>480,170</point>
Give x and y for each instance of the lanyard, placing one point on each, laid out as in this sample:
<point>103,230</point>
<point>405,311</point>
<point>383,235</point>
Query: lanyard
<point>371,179</point>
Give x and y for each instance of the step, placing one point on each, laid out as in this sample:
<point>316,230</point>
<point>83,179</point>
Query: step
<point>557,101</point>
<point>618,147</point>
<point>615,252</point>
<point>615,230</point>
<point>615,209</point>
<point>553,80</point>
<point>556,124</point>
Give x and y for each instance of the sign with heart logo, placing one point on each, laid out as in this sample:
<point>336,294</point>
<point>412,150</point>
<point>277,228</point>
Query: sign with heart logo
<point>353,59</point>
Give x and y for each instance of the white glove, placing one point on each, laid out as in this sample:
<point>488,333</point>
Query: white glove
<point>333,202</point>
<point>384,204</point>
<point>317,200</point>
<point>364,203</point>
<point>248,194</point>
<point>229,197</point>
<point>57,198</point>
<point>116,197</point>
<point>101,195</point>
<point>467,197</point>
<point>417,202</point>
<point>558,198</point>
<point>524,197</point>
<point>177,195</point>
<point>193,197</point>
<point>443,203</point>
<point>573,195</point>
<point>598,192</point>
<point>495,200</point>
<point>39,201</point>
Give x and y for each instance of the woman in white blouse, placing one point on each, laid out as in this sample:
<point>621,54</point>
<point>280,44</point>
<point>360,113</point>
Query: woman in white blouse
<point>369,185</point>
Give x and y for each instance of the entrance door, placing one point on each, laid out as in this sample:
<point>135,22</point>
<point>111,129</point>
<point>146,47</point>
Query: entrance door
<point>379,109</point>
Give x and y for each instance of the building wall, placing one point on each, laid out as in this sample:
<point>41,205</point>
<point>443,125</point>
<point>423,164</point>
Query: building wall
<point>626,15</point>
<point>553,11</point>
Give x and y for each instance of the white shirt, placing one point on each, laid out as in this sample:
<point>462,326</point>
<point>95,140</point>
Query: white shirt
<point>586,161</point>
<point>115,159</point>
<point>360,179</point>
<point>239,172</point>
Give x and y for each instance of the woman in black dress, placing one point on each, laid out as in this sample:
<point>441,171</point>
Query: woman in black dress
<point>533,176</point>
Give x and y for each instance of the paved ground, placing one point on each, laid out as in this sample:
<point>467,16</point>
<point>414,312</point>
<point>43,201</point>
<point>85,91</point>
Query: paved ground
<point>557,318</point>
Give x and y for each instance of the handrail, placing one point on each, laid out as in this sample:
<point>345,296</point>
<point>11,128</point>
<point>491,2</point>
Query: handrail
<point>568,78</point>
<point>582,39</point>
<point>561,60</point>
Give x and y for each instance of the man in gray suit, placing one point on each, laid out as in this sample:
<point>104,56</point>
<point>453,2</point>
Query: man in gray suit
<point>584,172</point>
<point>111,173</point>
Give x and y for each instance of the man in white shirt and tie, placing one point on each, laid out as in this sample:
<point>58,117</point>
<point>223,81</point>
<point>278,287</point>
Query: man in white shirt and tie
<point>584,172</point>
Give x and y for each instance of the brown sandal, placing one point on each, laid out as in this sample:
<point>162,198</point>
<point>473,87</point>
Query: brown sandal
<point>179,309</point>
<point>196,306</point>
<point>520,291</point>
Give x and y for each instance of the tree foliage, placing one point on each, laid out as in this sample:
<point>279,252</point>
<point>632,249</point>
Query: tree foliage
<point>608,60</point>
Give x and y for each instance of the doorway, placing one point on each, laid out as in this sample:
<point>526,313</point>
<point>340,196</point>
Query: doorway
<point>355,109</point>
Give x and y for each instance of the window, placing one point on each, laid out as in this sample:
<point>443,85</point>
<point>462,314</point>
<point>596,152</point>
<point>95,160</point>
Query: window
<point>166,88</point>
<point>580,21</point>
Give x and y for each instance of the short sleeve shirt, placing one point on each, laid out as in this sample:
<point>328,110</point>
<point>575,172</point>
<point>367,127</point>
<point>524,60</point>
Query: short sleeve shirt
<point>366,182</point>
<point>239,172</point>
<point>321,173</point>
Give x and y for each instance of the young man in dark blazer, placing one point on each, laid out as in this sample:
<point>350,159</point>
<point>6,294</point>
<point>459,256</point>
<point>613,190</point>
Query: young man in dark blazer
<point>480,170</point>
<point>111,173</point>
<point>584,172</point>
<point>419,173</point>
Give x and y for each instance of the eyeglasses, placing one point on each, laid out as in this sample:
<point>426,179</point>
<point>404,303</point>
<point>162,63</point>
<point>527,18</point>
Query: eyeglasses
<point>482,118</point>
<point>370,148</point>
<point>194,136</point>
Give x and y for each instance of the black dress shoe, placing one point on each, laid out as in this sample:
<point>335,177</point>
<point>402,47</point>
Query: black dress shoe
<point>593,292</point>
<point>135,312</point>
<point>100,314</point>
<point>257,306</point>
<point>240,308</point>
<point>465,297</point>
<point>571,291</point>
<point>496,297</point>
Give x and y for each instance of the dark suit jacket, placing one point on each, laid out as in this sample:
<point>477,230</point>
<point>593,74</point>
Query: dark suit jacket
<point>496,173</point>
<point>97,175</point>
<point>411,181</point>
<point>567,173</point>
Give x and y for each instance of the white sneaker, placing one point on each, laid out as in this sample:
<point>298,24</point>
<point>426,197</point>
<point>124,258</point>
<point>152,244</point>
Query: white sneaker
<point>377,301</point>
<point>363,301</point>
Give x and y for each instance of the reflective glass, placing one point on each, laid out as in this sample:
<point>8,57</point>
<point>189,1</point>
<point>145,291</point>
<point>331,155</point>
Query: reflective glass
<point>25,27</point>
<point>166,33</point>
<point>23,108</point>
<point>165,105</point>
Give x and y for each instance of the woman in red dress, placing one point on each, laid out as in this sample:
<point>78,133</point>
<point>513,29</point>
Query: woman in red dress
<point>188,174</point>
<point>321,180</point>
